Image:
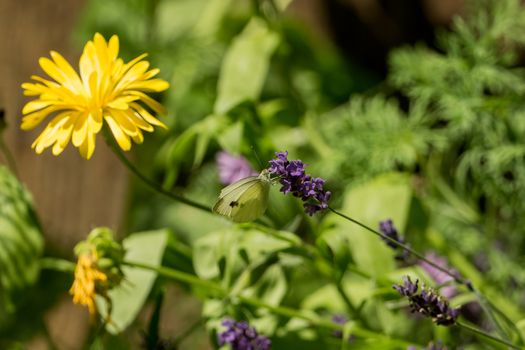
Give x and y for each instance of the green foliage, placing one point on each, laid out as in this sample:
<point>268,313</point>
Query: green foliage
<point>379,136</point>
<point>21,242</point>
<point>245,65</point>
<point>128,298</point>
<point>438,147</point>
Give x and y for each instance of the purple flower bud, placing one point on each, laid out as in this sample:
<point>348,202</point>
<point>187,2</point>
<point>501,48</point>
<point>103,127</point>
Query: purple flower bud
<point>294,180</point>
<point>428,302</point>
<point>232,168</point>
<point>241,336</point>
<point>387,228</point>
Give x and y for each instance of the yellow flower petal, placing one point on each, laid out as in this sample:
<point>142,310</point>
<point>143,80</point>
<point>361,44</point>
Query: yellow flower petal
<point>121,137</point>
<point>79,130</point>
<point>138,121</point>
<point>104,90</point>
<point>125,123</point>
<point>147,115</point>
<point>151,103</point>
<point>31,120</point>
<point>87,148</point>
<point>63,138</point>
<point>153,85</point>
<point>122,102</point>
<point>36,105</point>
<point>51,69</point>
<point>73,80</point>
<point>139,138</point>
<point>113,47</point>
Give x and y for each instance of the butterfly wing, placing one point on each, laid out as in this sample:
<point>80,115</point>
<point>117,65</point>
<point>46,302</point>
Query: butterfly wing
<point>231,194</point>
<point>244,200</point>
<point>252,203</point>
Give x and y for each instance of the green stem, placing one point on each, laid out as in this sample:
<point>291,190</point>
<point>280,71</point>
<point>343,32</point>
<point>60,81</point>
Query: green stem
<point>349,305</point>
<point>8,156</point>
<point>57,265</point>
<point>487,335</point>
<point>179,276</point>
<point>457,278</point>
<point>485,304</point>
<point>181,337</point>
<point>153,185</point>
<point>311,317</point>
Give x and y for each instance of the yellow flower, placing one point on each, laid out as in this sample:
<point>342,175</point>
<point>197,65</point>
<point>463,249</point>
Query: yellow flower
<point>87,275</point>
<point>107,89</point>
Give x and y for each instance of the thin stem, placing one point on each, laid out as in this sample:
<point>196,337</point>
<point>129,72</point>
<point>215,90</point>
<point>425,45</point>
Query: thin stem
<point>457,278</point>
<point>487,335</point>
<point>349,305</point>
<point>482,300</point>
<point>312,318</point>
<point>181,337</point>
<point>11,163</point>
<point>153,185</point>
<point>57,265</point>
<point>178,275</point>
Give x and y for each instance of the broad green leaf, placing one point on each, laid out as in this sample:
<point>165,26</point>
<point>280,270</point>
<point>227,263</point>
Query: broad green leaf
<point>244,260</point>
<point>129,297</point>
<point>21,241</point>
<point>386,196</point>
<point>176,18</point>
<point>231,137</point>
<point>245,65</point>
<point>282,4</point>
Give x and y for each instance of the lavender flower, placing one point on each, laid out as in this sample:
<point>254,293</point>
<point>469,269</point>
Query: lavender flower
<point>388,229</point>
<point>242,337</point>
<point>294,180</point>
<point>232,168</point>
<point>341,320</point>
<point>439,276</point>
<point>428,302</point>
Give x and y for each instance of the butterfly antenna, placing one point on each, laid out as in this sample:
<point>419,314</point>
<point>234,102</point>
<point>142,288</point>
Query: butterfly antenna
<point>257,157</point>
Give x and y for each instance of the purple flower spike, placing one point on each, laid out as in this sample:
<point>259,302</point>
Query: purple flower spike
<point>388,229</point>
<point>232,168</point>
<point>294,180</point>
<point>428,302</point>
<point>242,337</point>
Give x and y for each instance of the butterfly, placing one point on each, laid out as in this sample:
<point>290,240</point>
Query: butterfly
<point>244,200</point>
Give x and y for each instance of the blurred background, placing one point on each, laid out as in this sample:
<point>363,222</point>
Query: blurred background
<point>343,46</point>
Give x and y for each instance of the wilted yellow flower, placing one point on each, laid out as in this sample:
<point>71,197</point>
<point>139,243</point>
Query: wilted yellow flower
<point>87,275</point>
<point>107,89</point>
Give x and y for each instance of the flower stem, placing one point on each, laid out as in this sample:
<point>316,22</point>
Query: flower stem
<point>487,335</point>
<point>457,278</point>
<point>485,304</point>
<point>179,276</point>
<point>153,185</point>
<point>8,156</point>
<point>57,265</point>
<point>306,315</point>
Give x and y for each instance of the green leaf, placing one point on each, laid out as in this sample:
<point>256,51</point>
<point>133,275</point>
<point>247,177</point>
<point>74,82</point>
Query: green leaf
<point>231,137</point>
<point>21,241</point>
<point>129,297</point>
<point>386,196</point>
<point>245,66</point>
<point>245,260</point>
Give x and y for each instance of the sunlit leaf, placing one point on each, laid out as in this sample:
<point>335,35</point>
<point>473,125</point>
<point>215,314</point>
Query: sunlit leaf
<point>245,65</point>
<point>21,240</point>
<point>129,297</point>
